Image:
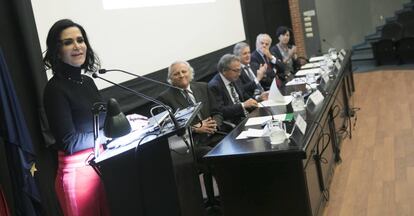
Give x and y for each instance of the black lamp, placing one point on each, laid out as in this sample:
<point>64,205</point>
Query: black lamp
<point>116,124</point>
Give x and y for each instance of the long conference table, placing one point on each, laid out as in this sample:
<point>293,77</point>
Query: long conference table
<point>255,177</point>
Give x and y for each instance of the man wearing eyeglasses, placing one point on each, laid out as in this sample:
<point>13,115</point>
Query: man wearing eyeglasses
<point>232,101</point>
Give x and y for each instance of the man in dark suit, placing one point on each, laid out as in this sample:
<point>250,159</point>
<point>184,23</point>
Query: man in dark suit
<point>207,123</point>
<point>209,120</point>
<point>250,79</point>
<point>225,85</point>
<point>262,56</point>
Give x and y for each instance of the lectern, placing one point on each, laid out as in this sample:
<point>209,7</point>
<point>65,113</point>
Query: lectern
<point>137,169</point>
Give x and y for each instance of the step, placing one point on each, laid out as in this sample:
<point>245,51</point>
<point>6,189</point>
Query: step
<point>362,56</point>
<point>367,51</point>
<point>362,46</point>
<point>379,28</point>
<point>390,19</point>
<point>372,38</point>
<point>403,10</point>
<point>409,4</point>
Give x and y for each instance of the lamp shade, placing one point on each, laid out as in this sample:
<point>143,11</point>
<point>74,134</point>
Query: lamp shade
<point>116,124</point>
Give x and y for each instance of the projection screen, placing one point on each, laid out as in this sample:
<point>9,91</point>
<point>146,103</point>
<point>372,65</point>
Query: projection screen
<point>143,36</point>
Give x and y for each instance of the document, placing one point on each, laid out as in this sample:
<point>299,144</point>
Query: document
<point>269,103</point>
<point>311,65</point>
<point>308,71</point>
<point>251,133</point>
<point>316,58</point>
<point>263,119</point>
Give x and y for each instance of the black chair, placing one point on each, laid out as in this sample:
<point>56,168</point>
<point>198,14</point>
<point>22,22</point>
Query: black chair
<point>405,50</point>
<point>392,31</point>
<point>385,52</point>
<point>405,17</point>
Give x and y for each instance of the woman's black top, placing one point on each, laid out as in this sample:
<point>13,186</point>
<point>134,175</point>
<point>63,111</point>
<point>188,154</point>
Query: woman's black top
<point>68,100</point>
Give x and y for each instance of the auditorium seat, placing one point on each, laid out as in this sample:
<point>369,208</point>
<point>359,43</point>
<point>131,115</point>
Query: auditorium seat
<point>405,17</point>
<point>392,31</point>
<point>385,52</point>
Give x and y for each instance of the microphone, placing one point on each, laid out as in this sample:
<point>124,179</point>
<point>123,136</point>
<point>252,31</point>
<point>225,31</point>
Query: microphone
<point>173,119</point>
<point>325,41</point>
<point>103,71</point>
<point>268,111</point>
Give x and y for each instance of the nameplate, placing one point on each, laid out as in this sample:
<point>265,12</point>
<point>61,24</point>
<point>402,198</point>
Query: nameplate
<point>343,52</point>
<point>316,97</point>
<point>325,77</point>
<point>338,65</point>
<point>301,124</point>
<point>341,57</point>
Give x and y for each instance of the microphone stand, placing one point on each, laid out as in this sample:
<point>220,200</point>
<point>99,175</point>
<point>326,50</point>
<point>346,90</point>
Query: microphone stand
<point>103,71</point>
<point>173,119</point>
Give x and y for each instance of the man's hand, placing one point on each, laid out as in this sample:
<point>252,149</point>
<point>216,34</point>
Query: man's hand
<point>250,103</point>
<point>261,72</point>
<point>208,126</point>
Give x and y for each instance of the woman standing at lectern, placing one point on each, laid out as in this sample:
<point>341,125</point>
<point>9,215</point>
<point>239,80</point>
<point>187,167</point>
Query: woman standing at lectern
<point>68,99</point>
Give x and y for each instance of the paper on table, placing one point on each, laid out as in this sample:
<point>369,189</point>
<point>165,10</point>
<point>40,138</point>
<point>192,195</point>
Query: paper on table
<point>316,58</point>
<point>268,103</point>
<point>311,65</point>
<point>262,119</point>
<point>307,71</point>
<point>254,133</point>
<point>251,133</point>
<point>297,81</point>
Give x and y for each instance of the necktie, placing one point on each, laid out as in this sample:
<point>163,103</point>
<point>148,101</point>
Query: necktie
<point>191,101</point>
<point>236,97</point>
<point>253,78</point>
<point>249,73</point>
<point>234,94</point>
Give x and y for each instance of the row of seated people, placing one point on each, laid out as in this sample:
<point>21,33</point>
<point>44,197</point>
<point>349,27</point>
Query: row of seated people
<point>241,82</point>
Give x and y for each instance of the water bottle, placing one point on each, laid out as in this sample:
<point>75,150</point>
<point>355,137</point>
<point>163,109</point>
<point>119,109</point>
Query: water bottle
<point>298,103</point>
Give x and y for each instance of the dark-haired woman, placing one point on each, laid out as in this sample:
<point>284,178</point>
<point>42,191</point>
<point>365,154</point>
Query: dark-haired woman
<point>68,98</point>
<point>285,52</point>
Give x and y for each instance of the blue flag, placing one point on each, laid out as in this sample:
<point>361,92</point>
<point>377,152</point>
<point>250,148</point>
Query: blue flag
<point>20,153</point>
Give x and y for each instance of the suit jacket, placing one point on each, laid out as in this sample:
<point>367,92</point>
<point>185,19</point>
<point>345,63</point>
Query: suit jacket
<point>176,100</point>
<point>231,112</point>
<point>249,86</point>
<point>256,61</point>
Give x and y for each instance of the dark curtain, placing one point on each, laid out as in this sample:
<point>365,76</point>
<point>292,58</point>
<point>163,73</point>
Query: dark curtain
<point>22,54</point>
<point>264,16</point>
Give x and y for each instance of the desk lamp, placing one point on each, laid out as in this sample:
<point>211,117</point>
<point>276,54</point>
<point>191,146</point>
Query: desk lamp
<point>116,124</point>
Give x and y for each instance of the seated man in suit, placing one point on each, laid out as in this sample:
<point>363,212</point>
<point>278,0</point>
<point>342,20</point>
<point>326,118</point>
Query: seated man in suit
<point>250,79</point>
<point>207,123</point>
<point>262,56</point>
<point>225,85</point>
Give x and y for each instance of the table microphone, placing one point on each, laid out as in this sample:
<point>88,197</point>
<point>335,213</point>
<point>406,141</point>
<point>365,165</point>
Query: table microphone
<point>269,111</point>
<point>325,41</point>
<point>103,71</point>
<point>173,119</point>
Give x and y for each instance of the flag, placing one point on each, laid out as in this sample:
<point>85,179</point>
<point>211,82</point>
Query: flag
<point>19,147</point>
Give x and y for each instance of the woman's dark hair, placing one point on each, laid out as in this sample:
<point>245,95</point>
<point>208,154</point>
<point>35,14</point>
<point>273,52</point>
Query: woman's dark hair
<point>281,30</point>
<point>51,59</point>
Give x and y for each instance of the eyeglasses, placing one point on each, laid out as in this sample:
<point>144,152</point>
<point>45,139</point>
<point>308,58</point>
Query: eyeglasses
<point>235,70</point>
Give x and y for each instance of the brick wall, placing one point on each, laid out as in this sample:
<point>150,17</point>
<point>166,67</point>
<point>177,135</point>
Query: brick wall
<point>297,27</point>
